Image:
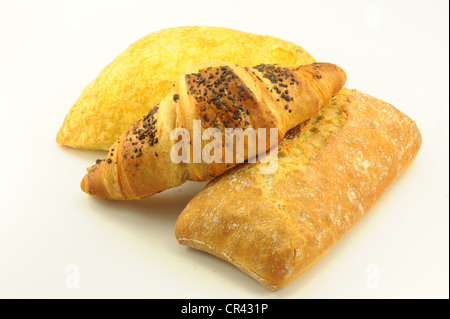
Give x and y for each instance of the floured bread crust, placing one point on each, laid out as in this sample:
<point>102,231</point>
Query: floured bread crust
<point>331,172</point>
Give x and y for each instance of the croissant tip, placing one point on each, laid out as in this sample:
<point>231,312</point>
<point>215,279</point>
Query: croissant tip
<point>93,184</point>
<point>85,184</point>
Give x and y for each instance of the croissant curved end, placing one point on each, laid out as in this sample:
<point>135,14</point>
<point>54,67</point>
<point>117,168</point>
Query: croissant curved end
<point>85,184</point>
<point>333,74</point>
<point>92,183</point>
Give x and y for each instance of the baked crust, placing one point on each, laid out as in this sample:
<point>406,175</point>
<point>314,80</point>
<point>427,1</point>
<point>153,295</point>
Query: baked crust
<point>331,172</point>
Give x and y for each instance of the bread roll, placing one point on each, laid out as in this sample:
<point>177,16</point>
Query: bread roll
<point>331,171</point>
<point>141,76</point>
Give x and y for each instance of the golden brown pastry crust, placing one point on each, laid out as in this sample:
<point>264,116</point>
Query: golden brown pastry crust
<point>220,96</point>
<point>142,75</point>
<point>331,171</point>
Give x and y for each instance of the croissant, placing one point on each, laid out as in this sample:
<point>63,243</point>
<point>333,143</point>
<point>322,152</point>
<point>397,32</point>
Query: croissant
<point>221,96</point>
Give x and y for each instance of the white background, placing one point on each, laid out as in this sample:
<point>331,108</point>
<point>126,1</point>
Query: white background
<point>49,50</point>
